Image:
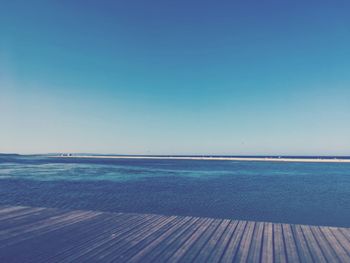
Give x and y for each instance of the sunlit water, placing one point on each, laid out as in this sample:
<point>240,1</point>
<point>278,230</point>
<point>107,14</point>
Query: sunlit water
<point>307,193</point>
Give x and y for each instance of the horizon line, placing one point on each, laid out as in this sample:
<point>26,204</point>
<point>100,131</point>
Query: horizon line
<point>183,155</point>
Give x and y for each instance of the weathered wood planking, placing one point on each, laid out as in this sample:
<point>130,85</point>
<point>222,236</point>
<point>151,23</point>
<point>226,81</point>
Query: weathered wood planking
<point>53,235</point>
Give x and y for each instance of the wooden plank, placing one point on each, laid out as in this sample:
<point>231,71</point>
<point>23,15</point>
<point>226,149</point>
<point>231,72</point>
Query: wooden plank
<point>180,241</point>
<point>26,217</point>
<point>212,243</point>
<point>267,245</point>
<point>64,242</point>
<point>7,217</point>
<point>335,243</point>
<point>344,242</point>
<point>10,209</point>
<point>100,235</point>
<point>49,243</point>
<point>315,249</point>
<point>142,253</point>
<point>187,245</point>
<point>233,245</point>
<point>84,236</point>
<point>290,246</point>
<point>256,243</point>
<point>130,245</point>
<point>97,247</point>
<point>280,255</point>
<point>345,232</point>
<point>4,234</point>
<point>243,251</point>
<point>192,253</point>
<point>171,241</point>
<point>301,243</point>
<point>223,243</point>
<point>326,249</point>
<point>36,229</point>
<point>124,245</point>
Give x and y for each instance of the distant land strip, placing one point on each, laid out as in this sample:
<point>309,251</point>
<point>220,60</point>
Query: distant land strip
<point>213,158</point>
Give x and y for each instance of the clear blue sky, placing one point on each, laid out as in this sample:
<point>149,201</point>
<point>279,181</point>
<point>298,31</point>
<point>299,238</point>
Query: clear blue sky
<point>175,77</point>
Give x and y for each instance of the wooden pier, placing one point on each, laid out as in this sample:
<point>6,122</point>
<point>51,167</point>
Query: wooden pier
<point>29,234</point>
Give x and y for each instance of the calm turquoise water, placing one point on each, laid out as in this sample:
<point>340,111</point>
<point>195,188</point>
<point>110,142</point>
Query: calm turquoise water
<point>307,193</point>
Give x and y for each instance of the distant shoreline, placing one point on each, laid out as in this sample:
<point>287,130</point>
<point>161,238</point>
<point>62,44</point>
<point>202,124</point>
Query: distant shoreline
<point>204,158</point>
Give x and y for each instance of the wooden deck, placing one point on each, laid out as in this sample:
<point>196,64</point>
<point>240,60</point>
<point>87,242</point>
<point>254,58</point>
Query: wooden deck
<point>52,235</point>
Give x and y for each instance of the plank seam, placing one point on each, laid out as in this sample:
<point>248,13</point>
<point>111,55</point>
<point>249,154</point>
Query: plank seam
<point>335,236</point>
<point>330,245</point>
<point>217,243</point>
<point>250,241</point>
<point>294,240</point>
<point>208,238</point>
<point>239,242</point>
<point>261,243</point>
<point>318,243</point>
<point>229,241</point>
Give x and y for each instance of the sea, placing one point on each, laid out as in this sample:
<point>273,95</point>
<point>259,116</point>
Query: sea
<point>282,192</point>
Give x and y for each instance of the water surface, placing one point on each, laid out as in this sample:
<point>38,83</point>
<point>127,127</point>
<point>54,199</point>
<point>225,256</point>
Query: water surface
<point>306,193</point>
